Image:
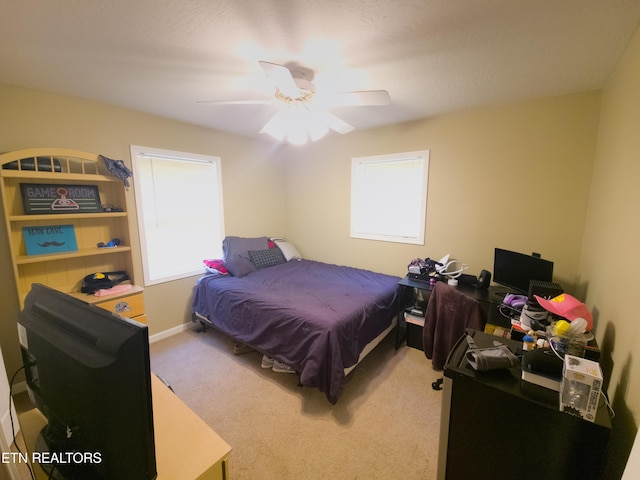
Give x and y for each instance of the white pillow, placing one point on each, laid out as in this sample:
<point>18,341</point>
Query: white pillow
<point>288,249</point>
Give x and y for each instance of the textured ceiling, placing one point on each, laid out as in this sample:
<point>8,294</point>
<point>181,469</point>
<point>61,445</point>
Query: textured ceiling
<point>432,56</point>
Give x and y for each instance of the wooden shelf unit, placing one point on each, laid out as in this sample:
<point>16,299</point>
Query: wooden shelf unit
<point>64,271</point>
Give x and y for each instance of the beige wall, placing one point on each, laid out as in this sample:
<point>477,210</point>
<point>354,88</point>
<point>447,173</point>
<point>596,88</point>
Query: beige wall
<point>517,176</point>
<point>252,182</point>
<point>610,259</point>
<point>514,176</point>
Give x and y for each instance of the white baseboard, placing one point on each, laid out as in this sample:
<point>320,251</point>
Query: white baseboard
<point>168,333</point>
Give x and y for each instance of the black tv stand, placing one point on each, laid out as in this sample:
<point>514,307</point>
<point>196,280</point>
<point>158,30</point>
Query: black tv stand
<point>41,446</point>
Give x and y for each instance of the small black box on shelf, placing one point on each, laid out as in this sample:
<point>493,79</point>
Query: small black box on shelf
<point>544,289</point>
<point>415,327</point>
<point>420,277</point>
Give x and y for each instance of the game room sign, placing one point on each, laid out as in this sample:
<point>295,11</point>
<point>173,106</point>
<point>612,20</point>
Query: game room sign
<point>39,198</point>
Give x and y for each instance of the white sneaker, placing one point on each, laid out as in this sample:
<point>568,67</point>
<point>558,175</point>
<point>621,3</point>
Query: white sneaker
<point>267,362</point>
<point>280,367</point>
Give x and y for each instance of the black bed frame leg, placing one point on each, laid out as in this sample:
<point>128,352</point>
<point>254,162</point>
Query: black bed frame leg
<point>203,327</point>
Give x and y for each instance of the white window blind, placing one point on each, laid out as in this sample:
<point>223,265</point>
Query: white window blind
<point>180,212</point>
<point>389,197</point>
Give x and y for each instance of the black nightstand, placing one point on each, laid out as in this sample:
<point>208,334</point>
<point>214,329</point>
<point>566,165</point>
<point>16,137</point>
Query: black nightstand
<point>489,298</point>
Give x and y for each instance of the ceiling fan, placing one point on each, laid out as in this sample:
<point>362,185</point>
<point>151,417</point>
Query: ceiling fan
<point>304,112</point>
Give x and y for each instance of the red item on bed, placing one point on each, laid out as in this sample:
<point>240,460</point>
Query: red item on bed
<point>216,264</point>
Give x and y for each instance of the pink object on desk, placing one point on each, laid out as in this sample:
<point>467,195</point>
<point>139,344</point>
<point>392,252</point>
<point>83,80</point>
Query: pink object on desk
<point>110,291</point>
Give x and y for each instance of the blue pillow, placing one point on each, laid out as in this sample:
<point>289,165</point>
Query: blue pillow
<point>236,256</point>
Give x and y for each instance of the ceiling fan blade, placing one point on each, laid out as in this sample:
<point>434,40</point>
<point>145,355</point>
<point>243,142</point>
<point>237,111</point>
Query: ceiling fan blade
<point>237,102</point>
<point>335,123</point>
<point>358,99</point>
<point>282,78</point>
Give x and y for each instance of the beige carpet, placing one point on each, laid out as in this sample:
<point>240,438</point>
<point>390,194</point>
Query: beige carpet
<point>384,426</point>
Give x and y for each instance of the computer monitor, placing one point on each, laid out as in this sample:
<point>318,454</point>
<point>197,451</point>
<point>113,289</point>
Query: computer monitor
<point>515,270</point>
<point>88,372</point>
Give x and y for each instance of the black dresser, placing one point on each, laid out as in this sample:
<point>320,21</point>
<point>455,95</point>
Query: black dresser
<point>496,426</point>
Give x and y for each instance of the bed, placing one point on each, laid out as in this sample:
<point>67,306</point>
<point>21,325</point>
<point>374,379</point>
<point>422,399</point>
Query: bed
<point>320,319</point>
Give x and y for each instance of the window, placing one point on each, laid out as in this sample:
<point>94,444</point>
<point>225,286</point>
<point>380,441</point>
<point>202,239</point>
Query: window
<point>180,214</point>
<point>389,197</point>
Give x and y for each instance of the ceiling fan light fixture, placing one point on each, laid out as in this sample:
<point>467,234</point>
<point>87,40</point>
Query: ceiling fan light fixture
<point>276,126</point>
<point>317,127</point>
<point>318,132</point>
<point>297,137</point>
<point>303,115</point>
<point>297,123</point>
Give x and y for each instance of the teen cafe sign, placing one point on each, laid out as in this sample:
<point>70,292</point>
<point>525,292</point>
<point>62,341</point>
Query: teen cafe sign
<point>41,198</point>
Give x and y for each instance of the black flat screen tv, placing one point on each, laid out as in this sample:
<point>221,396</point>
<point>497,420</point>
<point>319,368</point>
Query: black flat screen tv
<point>88,372</point>
<point>515,270</point>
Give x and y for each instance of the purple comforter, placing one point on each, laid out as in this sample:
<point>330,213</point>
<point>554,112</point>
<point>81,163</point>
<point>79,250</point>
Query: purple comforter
<point>313,316</point>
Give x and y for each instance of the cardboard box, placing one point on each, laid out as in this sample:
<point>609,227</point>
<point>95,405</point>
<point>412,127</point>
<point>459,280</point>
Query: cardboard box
<point>581,386</point>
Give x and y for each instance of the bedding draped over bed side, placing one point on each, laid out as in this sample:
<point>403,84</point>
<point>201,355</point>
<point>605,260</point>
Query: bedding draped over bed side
<point>313,316</point>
